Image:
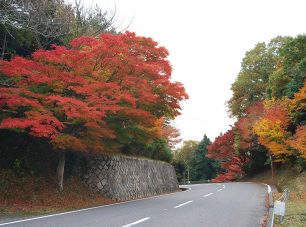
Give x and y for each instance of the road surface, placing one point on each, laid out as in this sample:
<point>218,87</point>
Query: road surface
<point>220,205</point>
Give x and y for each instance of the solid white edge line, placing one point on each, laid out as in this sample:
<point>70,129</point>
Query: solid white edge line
<point>269,191</point>
<point>208,195</point>
<point>183,204</point>
<point>75,211</point>
<point>219,190</point>
<point>136,222</point>
<point>269,187</point>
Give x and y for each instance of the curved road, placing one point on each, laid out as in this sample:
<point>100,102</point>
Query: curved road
<point>220,205</point>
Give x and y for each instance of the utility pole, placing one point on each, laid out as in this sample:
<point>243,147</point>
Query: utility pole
<point>272,168</point>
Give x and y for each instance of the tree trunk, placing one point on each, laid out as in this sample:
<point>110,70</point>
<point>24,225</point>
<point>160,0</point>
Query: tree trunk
<point>3,47</point>
<point>60,171</point>
<point>38,42</point>
<point>188,175</point>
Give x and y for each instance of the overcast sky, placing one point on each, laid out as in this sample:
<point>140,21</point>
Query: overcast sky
<point>207,40</point>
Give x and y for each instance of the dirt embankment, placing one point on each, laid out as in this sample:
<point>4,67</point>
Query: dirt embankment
<point>38,195</point>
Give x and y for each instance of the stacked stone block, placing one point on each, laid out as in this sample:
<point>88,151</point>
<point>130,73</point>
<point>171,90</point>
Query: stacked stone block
<point>124,178</point>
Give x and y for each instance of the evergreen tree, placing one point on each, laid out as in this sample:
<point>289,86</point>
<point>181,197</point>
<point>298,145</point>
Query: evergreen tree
<point>203,168</point>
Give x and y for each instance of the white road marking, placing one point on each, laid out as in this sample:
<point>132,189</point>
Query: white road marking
<point>219,190</point>
<point>183,204</point>
<point>269,188</point>
<point>137,222</point>
<point>208,195</point>
<point>223,186</point>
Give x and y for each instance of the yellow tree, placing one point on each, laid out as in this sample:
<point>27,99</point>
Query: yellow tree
<point>271,128</point>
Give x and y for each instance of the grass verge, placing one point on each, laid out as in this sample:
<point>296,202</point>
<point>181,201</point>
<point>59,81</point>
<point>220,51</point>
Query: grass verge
<point>295,215</point>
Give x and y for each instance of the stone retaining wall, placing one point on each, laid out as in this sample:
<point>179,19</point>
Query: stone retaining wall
<point>125,178</point>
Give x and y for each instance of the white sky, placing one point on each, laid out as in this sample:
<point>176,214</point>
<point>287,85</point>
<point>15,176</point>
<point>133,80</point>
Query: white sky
<point>207,40</point>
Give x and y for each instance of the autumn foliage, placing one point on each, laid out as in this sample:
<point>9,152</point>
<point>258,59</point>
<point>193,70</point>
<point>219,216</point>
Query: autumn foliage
<point>298,140</point>
<point>269,103</point>
<point>271,128</point>
<point>269,123</point>
<point>83,97</point>
<point>223,149</point>
<point>245,136</point>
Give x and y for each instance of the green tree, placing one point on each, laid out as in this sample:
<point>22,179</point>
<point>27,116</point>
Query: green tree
<point>203,168</point>
<point>251,83</point>
<point>183,157</point>
<point>28,25</point>
<point>275,69</point>
<point>294,58</point>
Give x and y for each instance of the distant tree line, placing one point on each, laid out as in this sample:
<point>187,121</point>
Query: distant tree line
<point>191,163</point>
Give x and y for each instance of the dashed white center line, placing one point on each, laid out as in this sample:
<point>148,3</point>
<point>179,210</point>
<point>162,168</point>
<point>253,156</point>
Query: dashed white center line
<point>183,204</point>
<point>208,195</point>
<point>137,222</point>
<point>219,190</point>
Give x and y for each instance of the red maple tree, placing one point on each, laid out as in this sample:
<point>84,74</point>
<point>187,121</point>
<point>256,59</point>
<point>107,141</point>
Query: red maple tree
<point>80,98</point>
<point>223,149</point>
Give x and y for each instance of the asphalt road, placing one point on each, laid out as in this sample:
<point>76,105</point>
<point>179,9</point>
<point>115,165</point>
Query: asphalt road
<point>222,205</point>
